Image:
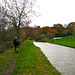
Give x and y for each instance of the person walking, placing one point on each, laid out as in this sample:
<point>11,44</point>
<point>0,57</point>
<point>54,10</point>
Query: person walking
<point>16,43</point>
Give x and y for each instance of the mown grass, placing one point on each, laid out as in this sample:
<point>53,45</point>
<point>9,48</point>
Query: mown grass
<point>66,41</point>
<point>6,59</point>
<point>31,61</point>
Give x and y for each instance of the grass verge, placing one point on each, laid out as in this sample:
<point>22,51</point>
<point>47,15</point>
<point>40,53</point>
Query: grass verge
<point>66,41</point>
<point>31,61</point>
<point>6,59</point>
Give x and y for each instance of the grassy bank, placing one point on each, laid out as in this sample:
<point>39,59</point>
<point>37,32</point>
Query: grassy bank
<point>31,61</point>
<point>66,41</point>
<point>6,59</point>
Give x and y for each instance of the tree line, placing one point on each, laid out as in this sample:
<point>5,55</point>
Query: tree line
<point>27,32</point>
<point>38,33</point>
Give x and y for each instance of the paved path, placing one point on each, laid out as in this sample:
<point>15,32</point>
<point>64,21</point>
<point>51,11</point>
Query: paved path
<point>63,58</point>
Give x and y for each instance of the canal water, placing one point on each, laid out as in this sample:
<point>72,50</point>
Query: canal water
<point>61,57</point>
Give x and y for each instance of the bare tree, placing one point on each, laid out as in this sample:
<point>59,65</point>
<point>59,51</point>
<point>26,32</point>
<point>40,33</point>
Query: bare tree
<point>18,12</point>
<point>3,23</point>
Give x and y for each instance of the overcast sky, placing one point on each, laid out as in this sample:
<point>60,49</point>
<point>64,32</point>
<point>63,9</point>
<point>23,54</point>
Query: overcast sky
<point>55,11</point>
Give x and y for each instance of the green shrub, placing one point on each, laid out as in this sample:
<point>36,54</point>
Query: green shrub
<point>38,39</point>
<point>58,34</point>
<point>29,38</point>
<point>63,34</point>
<point>50,36</point>
<point>6,46</point>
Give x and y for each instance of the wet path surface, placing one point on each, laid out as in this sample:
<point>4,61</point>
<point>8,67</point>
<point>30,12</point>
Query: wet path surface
<point>61,57</point>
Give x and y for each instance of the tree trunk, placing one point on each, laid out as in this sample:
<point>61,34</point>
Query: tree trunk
<point>18,32</point>
<point>17,28</point>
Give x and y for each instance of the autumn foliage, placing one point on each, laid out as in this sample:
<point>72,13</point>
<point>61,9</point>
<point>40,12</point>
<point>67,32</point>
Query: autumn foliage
<point>37,33</point>
<point>46,32</point>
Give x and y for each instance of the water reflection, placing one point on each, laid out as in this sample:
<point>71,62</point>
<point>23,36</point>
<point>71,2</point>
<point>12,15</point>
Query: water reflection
<point>63,58</point>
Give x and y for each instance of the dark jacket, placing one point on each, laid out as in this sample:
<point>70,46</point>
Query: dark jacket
<point>16,42</point>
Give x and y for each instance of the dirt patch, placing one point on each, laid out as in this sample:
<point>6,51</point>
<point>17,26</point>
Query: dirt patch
<point>11,68</point>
